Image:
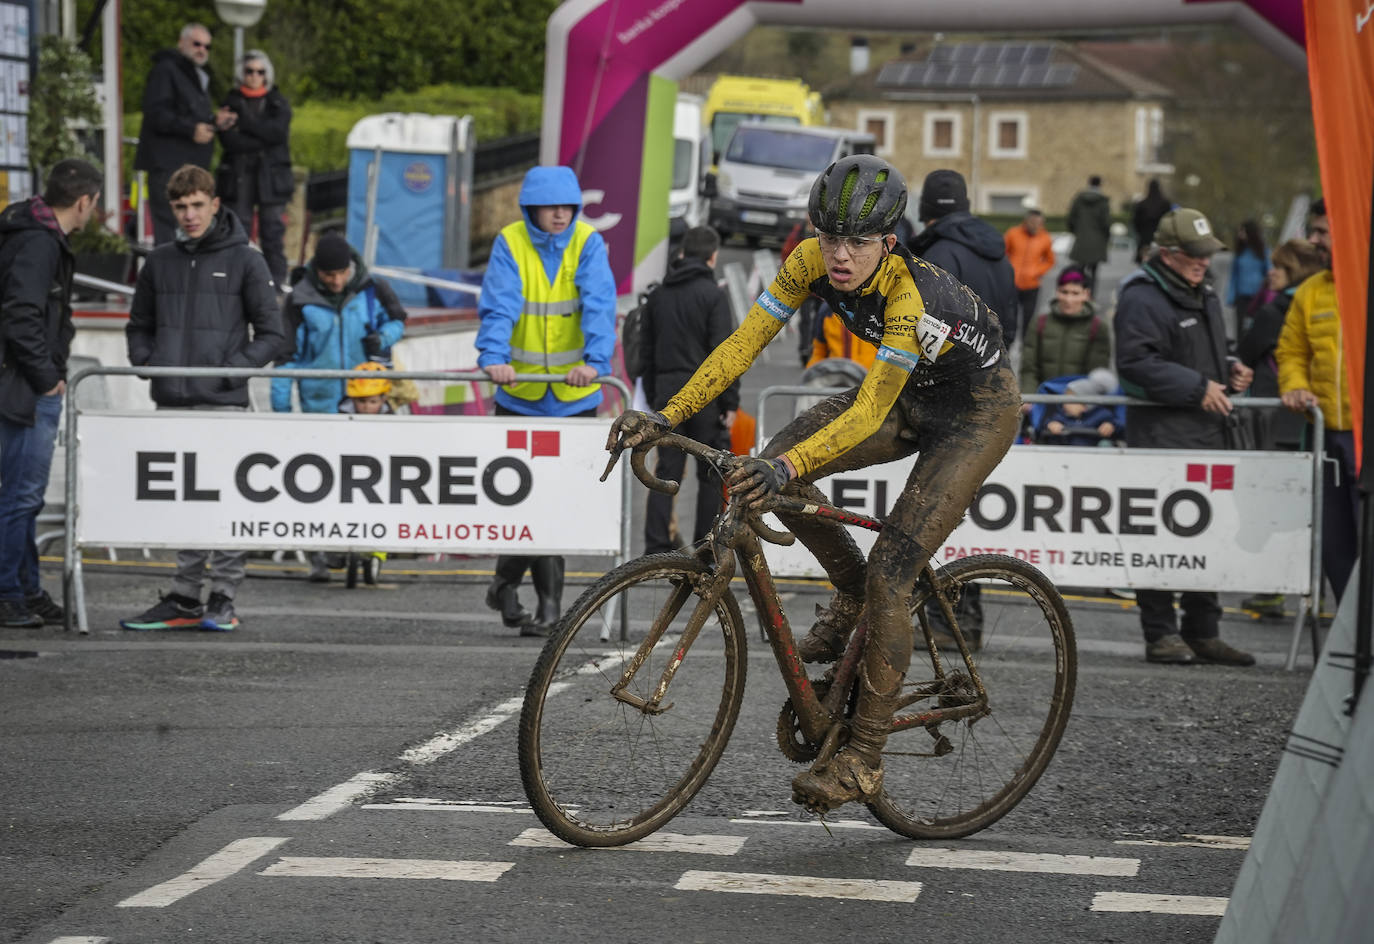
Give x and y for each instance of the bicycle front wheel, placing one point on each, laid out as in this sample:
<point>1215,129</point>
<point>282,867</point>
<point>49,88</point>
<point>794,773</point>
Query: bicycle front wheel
<point>961,776</point>
<point>604,759</point>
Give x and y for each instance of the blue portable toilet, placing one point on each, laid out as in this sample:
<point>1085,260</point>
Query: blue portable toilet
<point>410,175</point>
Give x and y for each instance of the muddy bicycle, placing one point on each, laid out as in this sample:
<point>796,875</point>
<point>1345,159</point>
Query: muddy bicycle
<point>617,737</point>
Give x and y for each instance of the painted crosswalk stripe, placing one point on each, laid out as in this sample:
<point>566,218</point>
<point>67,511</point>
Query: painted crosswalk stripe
<point>80,940</point>
<point>239,854</point>
<point>808,886</point>
<point>1159,904</point>
<point>1022,862</point>
<point>339,797</point>
<point>813,823</point>
<point>1238,843</point>
<point>422,804</point>
<point>659,842</point>
<point>345,867</point>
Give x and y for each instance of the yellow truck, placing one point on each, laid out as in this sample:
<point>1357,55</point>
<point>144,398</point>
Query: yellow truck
<point>736,98</point>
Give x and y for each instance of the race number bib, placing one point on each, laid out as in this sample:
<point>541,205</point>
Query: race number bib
<point>930,336</point>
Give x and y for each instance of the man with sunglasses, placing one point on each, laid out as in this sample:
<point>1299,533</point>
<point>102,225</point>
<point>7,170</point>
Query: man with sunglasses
<point>179,121</point>
<point>941,388</point>
<point>1171,347</point>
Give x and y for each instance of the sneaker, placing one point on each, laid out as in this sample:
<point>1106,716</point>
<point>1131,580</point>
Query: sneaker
<point>1121,593</point>
<point>46,608</point>
<point>837,782</point>
<point>1265,604</point>
<point>1215,652</point>
<point>173,611</point>
<point>535,629</point>
<point>372,569</point>
<point>219,615</point>
<point>1169,649</point>
<point>14,614</point>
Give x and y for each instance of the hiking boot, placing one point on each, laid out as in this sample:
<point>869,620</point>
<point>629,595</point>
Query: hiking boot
<point>1169,649</point>
<point>45,608</point>
<point>1265,604</point>
<point>504,598</point>
<point>219,615</point>
<point>14,614</point>
<point>1213,651</point>
<point>172,611</point>
<point>546,574</point>
<point>826,640</point>
<point>535,629</point>
<point>836,782</point>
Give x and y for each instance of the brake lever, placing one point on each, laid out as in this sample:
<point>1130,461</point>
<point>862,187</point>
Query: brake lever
<point>615,457</point>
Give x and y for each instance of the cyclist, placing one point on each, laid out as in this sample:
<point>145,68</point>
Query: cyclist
<point>941,386</point>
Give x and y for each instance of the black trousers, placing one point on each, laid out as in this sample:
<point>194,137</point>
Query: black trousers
<point>704,428</point>
<point>164,222</point>
<point>1201,614</point>
<point>271,228</point>
<point>510,568</point>
<point>1027,299</point>
<point>1340,511</point>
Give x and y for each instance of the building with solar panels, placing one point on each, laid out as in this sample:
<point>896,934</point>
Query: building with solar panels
<point>1025,122</point>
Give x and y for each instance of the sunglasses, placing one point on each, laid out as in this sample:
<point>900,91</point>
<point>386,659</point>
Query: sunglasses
<point>254,71</point>
<point>199,45</point>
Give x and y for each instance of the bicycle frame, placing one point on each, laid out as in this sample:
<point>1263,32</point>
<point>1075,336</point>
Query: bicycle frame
<point>736,536</point>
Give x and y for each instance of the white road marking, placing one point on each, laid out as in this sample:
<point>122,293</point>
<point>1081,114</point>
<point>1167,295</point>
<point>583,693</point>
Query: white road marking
<point>340,797</point>
<point>537,838</point>
<point>344,867</point>
<point>1159,904</point>
<point>815,823</point>
<point>238,855</point>
<point>808,886</point>
<point>1022,862</point>
<point>80,940</point>
<point>408,804</point>
<point>765,813</point>
<point>1238,843</point>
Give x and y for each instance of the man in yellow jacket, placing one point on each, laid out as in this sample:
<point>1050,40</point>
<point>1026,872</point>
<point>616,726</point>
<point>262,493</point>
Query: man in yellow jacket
<point>1310,355</point>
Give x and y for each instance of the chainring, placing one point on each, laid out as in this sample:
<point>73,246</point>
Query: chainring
<point>791,742</point>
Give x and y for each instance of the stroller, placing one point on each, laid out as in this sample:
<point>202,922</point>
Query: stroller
<point>1078,424</point>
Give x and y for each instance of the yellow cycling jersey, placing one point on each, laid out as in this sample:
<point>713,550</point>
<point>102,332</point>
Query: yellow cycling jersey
<point>928,326</point>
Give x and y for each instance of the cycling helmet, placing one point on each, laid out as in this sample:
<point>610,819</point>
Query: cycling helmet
<point>857,196</point>
<point>368,386</point>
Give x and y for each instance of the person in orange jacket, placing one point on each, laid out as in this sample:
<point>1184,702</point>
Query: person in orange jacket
<point>1031,255</point>
<point>830,338</point>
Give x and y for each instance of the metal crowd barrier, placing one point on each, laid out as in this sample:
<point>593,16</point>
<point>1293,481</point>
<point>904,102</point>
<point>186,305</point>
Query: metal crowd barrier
<point>1307,613</point>
<point>73,585</point>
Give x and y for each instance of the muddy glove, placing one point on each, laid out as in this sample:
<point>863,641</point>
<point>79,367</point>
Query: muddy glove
<point>372,344</point>
<point>757,480</point>
<point>632,428</point>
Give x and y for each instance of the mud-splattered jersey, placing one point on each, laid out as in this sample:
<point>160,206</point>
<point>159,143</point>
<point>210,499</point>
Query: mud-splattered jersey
<point>929,328</point>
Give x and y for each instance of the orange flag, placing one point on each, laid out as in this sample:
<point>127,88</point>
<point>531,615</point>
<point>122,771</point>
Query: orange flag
<point>1340,68</point>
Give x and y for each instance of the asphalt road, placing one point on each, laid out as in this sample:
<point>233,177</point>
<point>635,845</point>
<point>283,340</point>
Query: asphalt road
<point>343,768</point>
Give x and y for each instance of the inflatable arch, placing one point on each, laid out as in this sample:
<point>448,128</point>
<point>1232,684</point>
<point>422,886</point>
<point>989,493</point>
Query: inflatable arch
<point>612,66</point>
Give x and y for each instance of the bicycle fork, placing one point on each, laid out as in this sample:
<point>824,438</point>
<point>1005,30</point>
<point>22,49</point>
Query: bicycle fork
<point>715,586</point>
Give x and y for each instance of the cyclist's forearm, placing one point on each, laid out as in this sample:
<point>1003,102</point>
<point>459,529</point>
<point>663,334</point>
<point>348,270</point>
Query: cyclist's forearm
<point>723,365</point>
<point>871,405</point>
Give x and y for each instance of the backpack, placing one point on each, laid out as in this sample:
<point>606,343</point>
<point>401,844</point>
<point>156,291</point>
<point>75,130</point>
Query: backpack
<point>632,334</point>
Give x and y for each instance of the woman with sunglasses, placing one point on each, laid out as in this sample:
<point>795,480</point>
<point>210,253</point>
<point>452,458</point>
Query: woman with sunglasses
<point>255,170</point>
<point>941,387</point>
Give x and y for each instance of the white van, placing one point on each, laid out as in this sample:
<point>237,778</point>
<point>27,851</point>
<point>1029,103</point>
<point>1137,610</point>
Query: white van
<point>687,206</point>
<point>764,178</point>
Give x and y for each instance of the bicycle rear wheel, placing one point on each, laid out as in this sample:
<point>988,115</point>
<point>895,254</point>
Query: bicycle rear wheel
<point>1028,664</point>
<point>597,769</point>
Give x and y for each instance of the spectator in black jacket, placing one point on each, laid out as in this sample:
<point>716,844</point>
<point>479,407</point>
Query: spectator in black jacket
<point>179,120</point>
<point>205,300</point>
<point>969,249</point>
<point>35,337</point>
<point>1171,347</point>
<point>685,319</point>
<point>975,253</point>
<point>255,171</point>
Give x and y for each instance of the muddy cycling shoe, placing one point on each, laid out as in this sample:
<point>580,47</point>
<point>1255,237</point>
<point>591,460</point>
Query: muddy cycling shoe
<point>835,782</point>
<point>825,642</point>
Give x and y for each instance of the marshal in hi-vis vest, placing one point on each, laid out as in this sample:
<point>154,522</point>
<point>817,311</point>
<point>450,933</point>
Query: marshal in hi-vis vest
<point>548,337</point>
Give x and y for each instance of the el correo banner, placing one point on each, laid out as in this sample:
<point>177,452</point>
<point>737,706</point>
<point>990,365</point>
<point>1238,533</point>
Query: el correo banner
<point>254,481</point>
<point>1138,518</point>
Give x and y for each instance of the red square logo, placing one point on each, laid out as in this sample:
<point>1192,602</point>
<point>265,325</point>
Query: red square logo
<point>1197,472</point>
<point>515,439</point>
<point>1223,478</point>
<point>544,443</point>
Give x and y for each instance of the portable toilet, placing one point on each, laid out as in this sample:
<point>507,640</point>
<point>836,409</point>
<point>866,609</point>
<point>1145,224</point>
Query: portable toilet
<point>410,194</point>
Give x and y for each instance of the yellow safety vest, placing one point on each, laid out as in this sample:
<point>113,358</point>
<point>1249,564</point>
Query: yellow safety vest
<point>548,337</point>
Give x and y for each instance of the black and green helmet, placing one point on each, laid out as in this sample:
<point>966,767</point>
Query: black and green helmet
<point>857,196</point>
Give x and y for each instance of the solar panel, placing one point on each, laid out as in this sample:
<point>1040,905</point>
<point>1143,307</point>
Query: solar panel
<point>981,65</point>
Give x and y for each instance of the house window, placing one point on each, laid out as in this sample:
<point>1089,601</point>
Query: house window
<point>1149,140</point>
<point>1009,201</point>
<point>880,124</point>
<point>1007,134</point>
<point>943,132</point>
